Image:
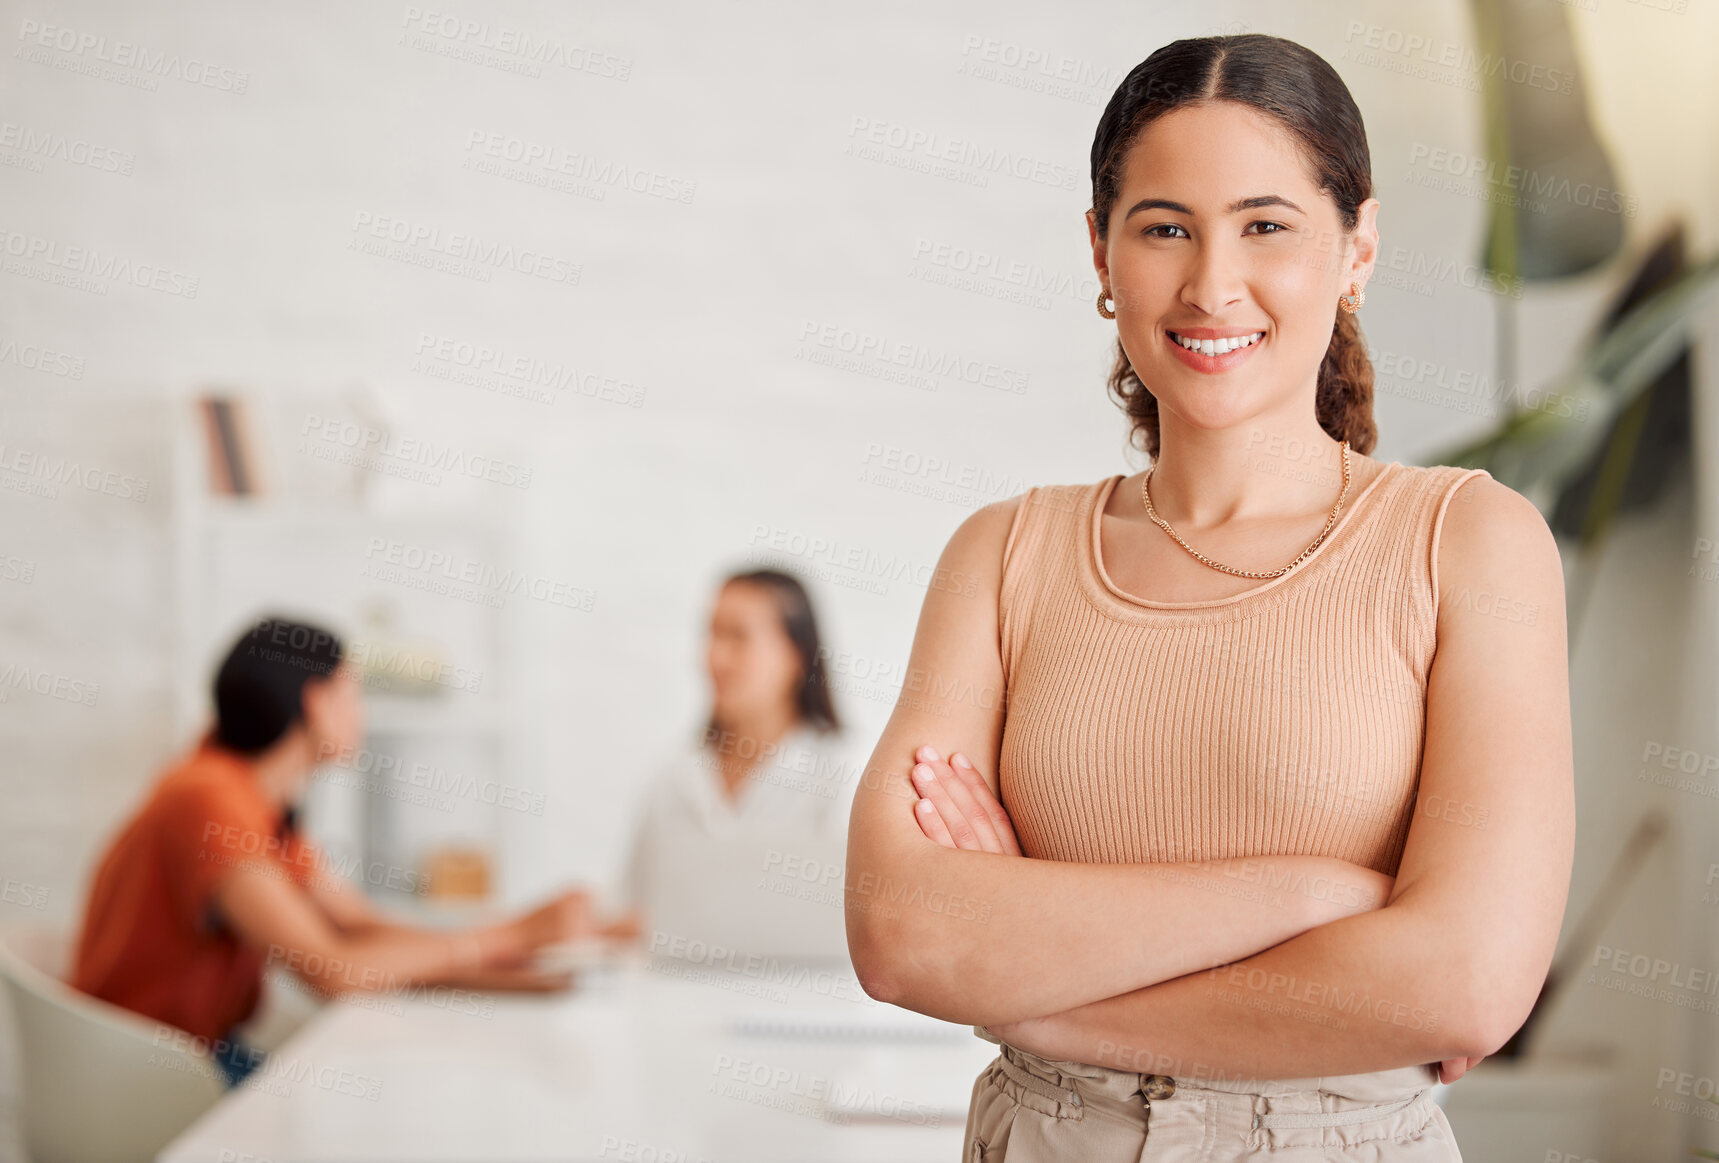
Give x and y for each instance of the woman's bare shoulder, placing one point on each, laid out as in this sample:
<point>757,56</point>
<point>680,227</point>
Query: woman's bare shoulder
<point>984,535</point>
<point>1495,544</point>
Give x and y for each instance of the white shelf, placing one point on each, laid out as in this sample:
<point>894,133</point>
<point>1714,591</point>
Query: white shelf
<point>314,557</point>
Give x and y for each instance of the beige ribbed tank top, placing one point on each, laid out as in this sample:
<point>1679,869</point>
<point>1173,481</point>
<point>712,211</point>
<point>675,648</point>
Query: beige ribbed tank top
<point>1287,719</point>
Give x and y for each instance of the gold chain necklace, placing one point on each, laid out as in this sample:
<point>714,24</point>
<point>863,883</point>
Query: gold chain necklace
<point>1146,492</point>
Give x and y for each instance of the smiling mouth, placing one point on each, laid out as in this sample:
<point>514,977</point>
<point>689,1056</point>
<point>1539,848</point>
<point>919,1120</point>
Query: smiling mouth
<point>1215,347</point>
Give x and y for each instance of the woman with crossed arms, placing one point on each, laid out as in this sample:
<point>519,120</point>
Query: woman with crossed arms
<point>1298,801</point>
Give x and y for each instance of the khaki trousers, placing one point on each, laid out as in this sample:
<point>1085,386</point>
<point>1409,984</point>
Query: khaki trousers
<point>1028,1109</point>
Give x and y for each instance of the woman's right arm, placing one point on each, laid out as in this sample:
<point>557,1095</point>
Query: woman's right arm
<point>288,926</point>
<point>982,938</point>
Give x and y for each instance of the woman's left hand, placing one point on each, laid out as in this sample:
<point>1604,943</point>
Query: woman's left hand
<point>956,807</point>
<point>1034,1035</point>
<point>1452,1069</point>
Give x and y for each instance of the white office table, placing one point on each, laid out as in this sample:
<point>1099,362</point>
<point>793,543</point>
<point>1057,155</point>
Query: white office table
<point>651,1061</point>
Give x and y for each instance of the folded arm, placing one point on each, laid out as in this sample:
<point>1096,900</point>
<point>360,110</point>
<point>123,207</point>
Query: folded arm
<point>983,937</point>
<point>1452,964</point>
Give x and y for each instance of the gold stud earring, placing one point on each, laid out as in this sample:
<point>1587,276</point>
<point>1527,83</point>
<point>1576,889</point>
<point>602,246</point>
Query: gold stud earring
<point>1353,300</point>
<point>1102,309</point>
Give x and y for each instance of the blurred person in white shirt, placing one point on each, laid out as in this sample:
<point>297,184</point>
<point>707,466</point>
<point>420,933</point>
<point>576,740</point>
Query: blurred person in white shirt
<point>738,845</point>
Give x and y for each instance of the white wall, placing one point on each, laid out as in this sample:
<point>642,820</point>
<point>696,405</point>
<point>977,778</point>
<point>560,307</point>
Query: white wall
<point>703,305</point>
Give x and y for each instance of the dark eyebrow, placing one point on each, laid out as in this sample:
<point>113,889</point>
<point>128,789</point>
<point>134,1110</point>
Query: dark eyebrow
<point>1233,208</point>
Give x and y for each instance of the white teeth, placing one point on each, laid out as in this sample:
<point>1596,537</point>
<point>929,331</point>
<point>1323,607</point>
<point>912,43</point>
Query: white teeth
<point>1217,346</point>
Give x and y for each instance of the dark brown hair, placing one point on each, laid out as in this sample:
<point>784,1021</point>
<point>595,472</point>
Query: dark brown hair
<point>259,688</point>
<point>800,624</point>
<point>1296,87</point>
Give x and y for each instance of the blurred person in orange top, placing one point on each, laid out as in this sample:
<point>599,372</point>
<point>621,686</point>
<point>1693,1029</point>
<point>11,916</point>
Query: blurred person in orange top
<point>211,880</point>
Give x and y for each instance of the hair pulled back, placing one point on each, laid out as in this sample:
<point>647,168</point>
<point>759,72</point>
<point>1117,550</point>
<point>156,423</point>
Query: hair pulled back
<point>1297,88</point>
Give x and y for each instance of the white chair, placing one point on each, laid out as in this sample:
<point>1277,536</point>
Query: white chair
<point>100,1085</point>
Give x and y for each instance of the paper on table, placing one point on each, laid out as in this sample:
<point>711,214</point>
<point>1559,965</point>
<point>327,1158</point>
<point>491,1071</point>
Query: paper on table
<point>893,1025</point>
<point>580,955</point>
<point>904,1069</point>
<point>902,1085</point>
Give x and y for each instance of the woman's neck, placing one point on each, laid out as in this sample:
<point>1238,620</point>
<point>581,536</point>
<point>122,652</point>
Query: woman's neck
<point>281,770</point>
<point>1203,479</point>
<point>744,739</point>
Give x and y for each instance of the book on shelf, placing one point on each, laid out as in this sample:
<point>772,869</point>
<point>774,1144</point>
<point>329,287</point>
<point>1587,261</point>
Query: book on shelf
<point>235,469</point>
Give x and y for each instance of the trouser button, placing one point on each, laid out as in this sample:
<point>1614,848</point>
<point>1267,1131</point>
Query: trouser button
<point>1159,1087</point>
